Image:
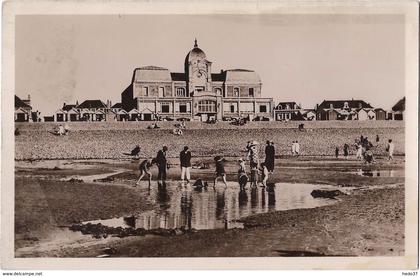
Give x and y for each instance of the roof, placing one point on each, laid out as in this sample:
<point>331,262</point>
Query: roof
<point>67,107</point>
<point>178,77</point>
<point>340,104</point>
<point>117,105</point>
<point>20,103</point>
<point>242,75</point>
<point>152,74</point>
<point>283,105</point>
<point>92,104</point>
<point>399,106</point>
<point>218,77</point>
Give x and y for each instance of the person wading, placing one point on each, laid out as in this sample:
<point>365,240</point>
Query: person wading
<point>185,160</point>
<point>162,164</point>
<point>269,156</point>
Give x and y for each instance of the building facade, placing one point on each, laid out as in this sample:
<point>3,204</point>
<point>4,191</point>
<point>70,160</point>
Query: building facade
<point>345,110</point>
<point>288,111</point>
<point>196,94</point>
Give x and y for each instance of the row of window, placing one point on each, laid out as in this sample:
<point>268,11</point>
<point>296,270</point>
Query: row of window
<point>206,106</point>
<point>181,91</point>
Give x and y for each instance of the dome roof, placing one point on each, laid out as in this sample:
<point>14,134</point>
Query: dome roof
<point>195,54</point>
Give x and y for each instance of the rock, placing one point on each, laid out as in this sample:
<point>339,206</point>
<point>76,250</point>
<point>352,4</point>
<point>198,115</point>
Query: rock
<point>103,256</point>
<point>326,193</point>
<point>109,250</point>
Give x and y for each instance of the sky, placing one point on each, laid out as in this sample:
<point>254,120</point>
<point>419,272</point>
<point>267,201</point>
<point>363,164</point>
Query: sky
<point>302,58</point>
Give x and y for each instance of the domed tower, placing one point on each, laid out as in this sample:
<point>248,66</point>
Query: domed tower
<point>198,71</point>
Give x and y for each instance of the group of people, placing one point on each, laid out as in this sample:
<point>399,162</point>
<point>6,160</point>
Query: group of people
<point>61,130</point>
<point>295,148</point>
<point>256,168</point>
<point>364,150</point>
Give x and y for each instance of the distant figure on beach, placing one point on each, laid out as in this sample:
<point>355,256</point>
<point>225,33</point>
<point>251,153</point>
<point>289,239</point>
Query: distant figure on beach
<point>200,184</point>
<point>177,131</point>
<point>134,152</point>
<point>369,157</point>
<point>264,174</point>
<point>162,164</point>
<point>337,151</point>
<point>390,149</point>
<point>269,156</point>
<point>377,138</point>
<point>297,148</point>
<point>248,149</point>
<point>362,139</point>
<point>61,130</point>
<point>17,132</point>
<point>301,127</point>
<point>144,169</point>
<point>359,151</point>
<point>242,176</point>
<point>220,169</point>
<point>66,129</point>
<point>293,148</point>
<point>185,160</point>
<point>346,150</point>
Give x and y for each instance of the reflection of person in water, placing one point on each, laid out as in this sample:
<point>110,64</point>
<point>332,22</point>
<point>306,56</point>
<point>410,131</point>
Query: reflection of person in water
<point>254,197</point>
<point>271,197</point>
<point>220,204</point>
<point>242,198</point>
<point>162,196</point>
<point>186,209</point>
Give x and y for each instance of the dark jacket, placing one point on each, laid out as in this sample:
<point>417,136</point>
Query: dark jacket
<point>161,159</point>
<point>185,158</point>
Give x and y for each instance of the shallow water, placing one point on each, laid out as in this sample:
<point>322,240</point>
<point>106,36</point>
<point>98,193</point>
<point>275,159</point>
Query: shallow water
<point>380,173</point>
<point>177,206</point>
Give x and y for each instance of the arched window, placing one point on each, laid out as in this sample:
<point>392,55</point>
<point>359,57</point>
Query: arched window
<point>207,106</point>
<point>218,91</point>
<point>180,92</point>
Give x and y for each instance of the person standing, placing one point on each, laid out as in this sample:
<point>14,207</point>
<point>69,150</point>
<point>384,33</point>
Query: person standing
<point>293,148</point>
<point>297,148</point>
<point>337,151</point>
<point>359,151</point>
<point>248,149</point>
<point>162,163</point>
<point>185,160</point>
<point>220,169</point>
<point>346,150</point>
<point>390,149</point>
<point>269,156</point>
<point>377,138</point>
<point>264,173</point>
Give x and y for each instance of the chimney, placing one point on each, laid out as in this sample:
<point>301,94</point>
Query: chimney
<point>64,105</point>
<point>77,102</point>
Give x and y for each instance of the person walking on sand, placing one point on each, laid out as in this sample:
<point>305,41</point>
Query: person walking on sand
<point>144,169</point>
<point>248,149</point>
<point>220,170</point>
<point>390,149</point>
<point>162,164</point>
<point>346,150</point>
<point>293,148</point>
<point>185,160</point>
<point>337,151</point>
<point>134,152</point>
<point>269,156</point>
<point>377,138</point>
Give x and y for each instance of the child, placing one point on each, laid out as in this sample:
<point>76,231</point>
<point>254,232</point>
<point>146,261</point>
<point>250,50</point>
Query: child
<point>242,177</point>
<point>144,169</point>
<point>264,172</point>
<point>220,169</point>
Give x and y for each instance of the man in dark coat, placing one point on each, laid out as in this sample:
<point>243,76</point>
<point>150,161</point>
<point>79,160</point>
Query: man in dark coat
<point>185,160</point>
<point>269,156</point>
<point>162,163</point>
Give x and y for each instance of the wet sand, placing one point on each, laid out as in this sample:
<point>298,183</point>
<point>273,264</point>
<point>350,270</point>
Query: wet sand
<point>363,223</point>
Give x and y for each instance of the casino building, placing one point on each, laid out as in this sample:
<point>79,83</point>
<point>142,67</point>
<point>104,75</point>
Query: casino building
<point>197,93</point>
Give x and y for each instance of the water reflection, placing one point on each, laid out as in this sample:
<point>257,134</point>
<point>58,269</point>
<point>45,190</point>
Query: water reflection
<point>178,207</point>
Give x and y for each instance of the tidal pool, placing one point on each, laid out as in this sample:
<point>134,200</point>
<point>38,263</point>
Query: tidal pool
<point>179,206</point>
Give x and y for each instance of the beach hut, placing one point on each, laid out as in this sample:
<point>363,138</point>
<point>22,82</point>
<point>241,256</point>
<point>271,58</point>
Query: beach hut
<point>134,115</point>
<point>122,115</point>
<point>147,115</point>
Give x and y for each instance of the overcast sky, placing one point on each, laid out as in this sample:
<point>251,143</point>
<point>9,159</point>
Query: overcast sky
<point>302,58</point>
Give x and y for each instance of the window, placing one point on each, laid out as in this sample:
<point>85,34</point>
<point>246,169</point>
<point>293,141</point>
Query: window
<point>232,108</point>
<point>287,106</point>
<point>218,91</point>
<point>161,92</point>
<point>199,88</point>
<point>236,92</point>
<point>251,92</point>
<point>207,106</point>
<point>180,92</point>
<point>263,108</point>
<point>145,91</point>
<point>183,108</point>
<point>165,108</point>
